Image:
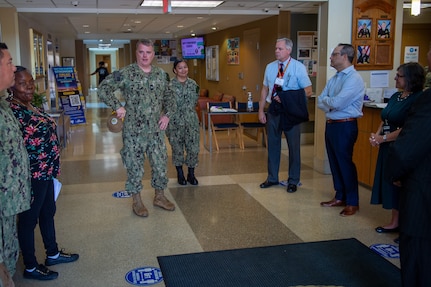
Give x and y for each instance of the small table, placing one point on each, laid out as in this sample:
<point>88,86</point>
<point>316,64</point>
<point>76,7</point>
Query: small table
<point>208,114</point>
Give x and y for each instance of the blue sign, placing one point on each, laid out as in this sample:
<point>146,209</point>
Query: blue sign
<point>72,106</point>
<point>144,276</point>
<point>121,194</point>
<point>386,250</point>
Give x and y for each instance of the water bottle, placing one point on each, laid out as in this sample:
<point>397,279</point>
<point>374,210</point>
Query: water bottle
<point>249,102</point>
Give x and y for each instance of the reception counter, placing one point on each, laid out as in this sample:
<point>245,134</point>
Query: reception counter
<point>364,155</point>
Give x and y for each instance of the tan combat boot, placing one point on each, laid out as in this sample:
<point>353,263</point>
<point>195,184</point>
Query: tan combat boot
<point>138,207</point>
<point>161,201</point>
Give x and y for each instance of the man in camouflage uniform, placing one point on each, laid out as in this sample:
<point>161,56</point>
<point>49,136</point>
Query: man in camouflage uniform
<point>15,175</point>
<point>149,103</point>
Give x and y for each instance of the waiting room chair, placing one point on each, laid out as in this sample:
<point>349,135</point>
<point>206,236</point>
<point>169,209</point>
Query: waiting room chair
<point>251,122</point>
<point>224,122</point>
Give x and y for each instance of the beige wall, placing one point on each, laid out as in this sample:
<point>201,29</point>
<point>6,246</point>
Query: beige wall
<point>9,31</point>
<point>230,83</point>
<point>417,35</point>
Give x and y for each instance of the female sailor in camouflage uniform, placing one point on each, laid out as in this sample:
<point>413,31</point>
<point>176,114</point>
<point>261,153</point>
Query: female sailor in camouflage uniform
<point>183,130</point>
<point>149,104</point>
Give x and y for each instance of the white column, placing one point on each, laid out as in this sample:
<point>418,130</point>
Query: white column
<point>335,26</point>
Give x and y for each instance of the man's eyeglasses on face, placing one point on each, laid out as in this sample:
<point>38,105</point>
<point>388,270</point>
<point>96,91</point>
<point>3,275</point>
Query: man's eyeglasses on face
<point>335,54</point>
<point>398,76</point>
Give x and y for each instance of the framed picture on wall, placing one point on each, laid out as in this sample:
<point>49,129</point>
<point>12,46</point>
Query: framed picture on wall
<point>373,33</point>
<point>68,61</point>
<point>384,29</point>
<point>304,53</point>
<point>363,53</point>
<point>364,29</point>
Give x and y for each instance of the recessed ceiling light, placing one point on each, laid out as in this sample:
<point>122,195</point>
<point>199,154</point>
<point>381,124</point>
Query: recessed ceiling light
<point>85,26</point>
<point>180,26</point>
<point>194,4</point>
<point>87,32</point>
<point>214,28</point>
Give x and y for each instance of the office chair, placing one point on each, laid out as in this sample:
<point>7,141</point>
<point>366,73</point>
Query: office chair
<point>224,122</point>
<point>251,122</point>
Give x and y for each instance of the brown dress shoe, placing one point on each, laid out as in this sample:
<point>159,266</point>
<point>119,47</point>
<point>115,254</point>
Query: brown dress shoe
<point>349,210</point>
<point>333,202</point>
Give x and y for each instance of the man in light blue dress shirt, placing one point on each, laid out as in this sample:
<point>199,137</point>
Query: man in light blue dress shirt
<point>291,75</point>
<point>342,100</point>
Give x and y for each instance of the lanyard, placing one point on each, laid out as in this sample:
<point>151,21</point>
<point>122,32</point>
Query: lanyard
<point>280,75</point>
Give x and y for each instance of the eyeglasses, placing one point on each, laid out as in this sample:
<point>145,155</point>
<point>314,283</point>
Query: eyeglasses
<point>335,54</point>
<point>399,76</point>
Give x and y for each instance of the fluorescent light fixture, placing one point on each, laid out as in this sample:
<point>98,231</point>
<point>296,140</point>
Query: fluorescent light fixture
<point>182,4</point>
<point>104,46</point>
<point>416,7</point>
<point>423,5</point>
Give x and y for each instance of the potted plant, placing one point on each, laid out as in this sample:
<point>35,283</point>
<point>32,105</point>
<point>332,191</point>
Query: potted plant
<point>38,98</point>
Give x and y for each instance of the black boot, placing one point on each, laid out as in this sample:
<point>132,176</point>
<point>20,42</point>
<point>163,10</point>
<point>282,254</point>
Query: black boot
<point>180,175</point>
<point>191,176</point>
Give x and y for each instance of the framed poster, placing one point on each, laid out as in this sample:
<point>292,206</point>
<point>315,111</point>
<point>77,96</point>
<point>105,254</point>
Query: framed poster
<point>363,54</point>
<point>304,53</point>
<point>233,51</point>
<point>384,29</point>
<point>364,29</point>
<point>305,40</point>
<point>68,61</point>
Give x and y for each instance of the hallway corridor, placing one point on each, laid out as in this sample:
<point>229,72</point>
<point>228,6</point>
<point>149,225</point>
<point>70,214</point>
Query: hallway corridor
<point>226,210</point>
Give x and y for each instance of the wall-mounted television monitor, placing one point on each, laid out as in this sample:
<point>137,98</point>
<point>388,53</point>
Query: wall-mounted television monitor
<point>193,48</point>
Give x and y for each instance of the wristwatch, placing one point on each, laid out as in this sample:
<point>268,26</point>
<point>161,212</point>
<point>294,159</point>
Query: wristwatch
<point>384,137</point>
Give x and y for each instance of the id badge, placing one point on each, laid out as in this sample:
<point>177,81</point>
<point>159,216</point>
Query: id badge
<point>268,99</point>
<point>386,129</point>
<point>279,81</point>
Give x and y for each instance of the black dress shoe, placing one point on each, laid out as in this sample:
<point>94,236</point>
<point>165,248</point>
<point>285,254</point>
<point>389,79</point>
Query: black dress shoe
<point>291,188</point>
<point>41,273</point>
<point>381,229</point>
<point>267,184</point>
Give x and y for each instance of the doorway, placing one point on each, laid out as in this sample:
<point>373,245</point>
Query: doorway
<point>108,65</point>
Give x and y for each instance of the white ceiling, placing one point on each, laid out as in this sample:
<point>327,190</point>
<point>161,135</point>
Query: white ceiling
<point>125,19</point>
<point>121,20</point>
